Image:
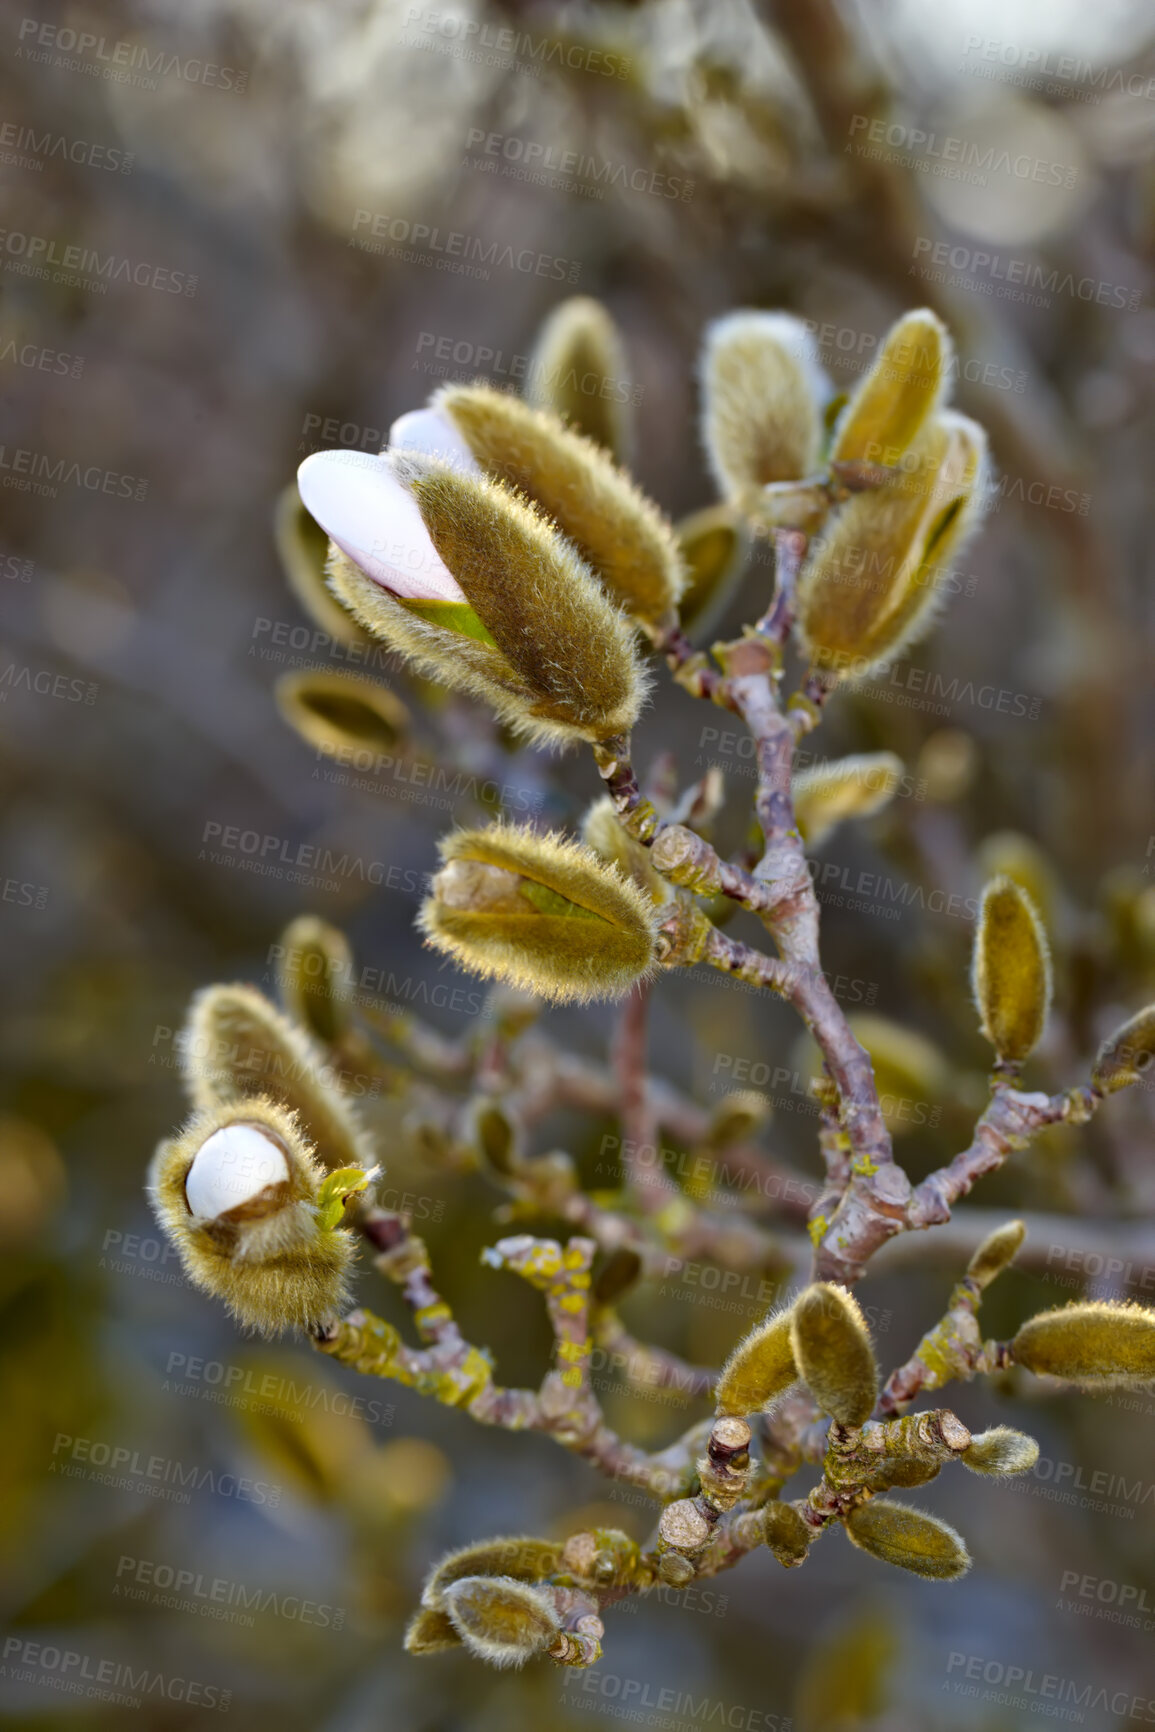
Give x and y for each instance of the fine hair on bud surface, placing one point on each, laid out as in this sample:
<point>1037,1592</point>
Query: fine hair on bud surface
<point>1011,971</point>
<point>501,1620</point>
<point>578,370</point>
<point>763,391</point>
<point>1000,1452</point>
<point>906,384</point>
<point>854,787</point>
<point>996,1253</point>
<point>833,1352</point>
<point>909,1538</point>
<point>519,1556</point>
<point>759,1369</point>
<point>1098,1342</point>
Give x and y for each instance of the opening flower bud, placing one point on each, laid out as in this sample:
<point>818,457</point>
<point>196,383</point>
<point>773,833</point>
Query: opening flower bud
<point>1011,971</point>
<point>833,1352</point>
<point>540,912</point>
<point>855,787</point>
<point>762,395</point>
<point>503,1621</point>
<point>519,1556</point>
<point>910,1539</point>
<point>236,1168</point>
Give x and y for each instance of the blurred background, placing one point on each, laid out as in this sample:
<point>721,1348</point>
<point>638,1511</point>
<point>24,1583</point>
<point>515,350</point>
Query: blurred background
<point>224,243</point>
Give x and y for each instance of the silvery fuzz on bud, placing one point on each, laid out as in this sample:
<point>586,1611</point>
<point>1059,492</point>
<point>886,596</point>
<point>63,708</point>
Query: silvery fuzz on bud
<point>910,1539</point>
<point>519,1556</point>
<point>1000,1452</point>
<point>578,370</point>
<point>760,1368</point>
<point>540,912</point>
<point>833,1352</point>
<point>1100,1343</point>
<point>501,1620</point>
<point>315,977</point>
<point>763,390</point>
<point>785,1533</point>
<point>1011,971</point>
<point>342,714</point>
<point>855,787</point>
<point>620,535</point>
<point>472,583</point>
<point>240,1194</point>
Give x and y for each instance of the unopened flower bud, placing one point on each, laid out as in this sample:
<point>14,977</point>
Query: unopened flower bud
<point>245,1203</point>
<point>855,787</point>
<point>1098,1342</point>
<point>503,1621</point>
<point>431,1631</point>
<point>833,1352</point>
<point>1011,971</point>
<point>785,1533</point>
<point>1000,1452</point>
<point>996,1253</point>
<point>477,587</point>
<point>519,1556</point>
<point>541,912</point>
<point>715,545</point>
<point>578,370</point>
<point>1125,1055</point>
<point>604,832</point>
<point>909,1538</point>
<point>338,713</point>
<point>906,384</point>
<point>315,975</point>
<point>762,395</point>
<point>760,1368</point>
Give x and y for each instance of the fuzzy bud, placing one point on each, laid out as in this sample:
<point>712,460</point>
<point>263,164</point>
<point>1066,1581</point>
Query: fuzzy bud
<point>906,384</point>
<point>1124,1057</point>
<point>540,912</point>
<point>855,787</point>
<point>871,582</point>
<point>502,1621</point>
<point>833,1352</point>
<point>619,533</point>
<point>431,1631</point>
<point>603,831</point>
<point>314,976</point>
<point>1011,971</point>
<point>909,1538</point>
<point>578,370</point>
<point>996,1253</point>
<point>715,545</point>
<point>338,712</point>
<point>242,1198</point>
<point>1097,1342</point>
<point>304,547</point>
<point>518,1556</point>
<point>236,1044</point>
<point>785,1533</point>
<point>760,1368</point>
<point>762,391</point>
<point>1000,1452</point>
<point>479,589</point>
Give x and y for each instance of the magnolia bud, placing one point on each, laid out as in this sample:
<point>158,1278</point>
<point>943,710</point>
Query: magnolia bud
<point>760,1367</point>
<point>604,832</point>
<point>1124,1057</point>
<point>501,1620</point>
<point>996,1253</point>
<point>855,787</point>
<point>785,1533</point>
<point>337,712</point>
<point>833,1353</point>
<point>619,533</point>
<point>1000,1452</point>
<point>907,382</point>
<point>715,545</point>
<point>1097,1342</point>
<point>871,583</point>
<point>519,1556</point>
<point>1011,971</point>
<point>909,1538</point>
<point>314,976</point>
<point>540,912</point>
<point>578,369</point>
<point>253,1217</point>
<point>304,547</point>
<point>479,589</point>
<point>236,1044</point>
<point>762,390</point>
<point>431,1631</point>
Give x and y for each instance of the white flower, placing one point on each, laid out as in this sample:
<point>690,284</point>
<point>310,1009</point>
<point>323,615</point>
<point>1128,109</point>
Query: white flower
<point>361,503</point>
<point>231,1167</point>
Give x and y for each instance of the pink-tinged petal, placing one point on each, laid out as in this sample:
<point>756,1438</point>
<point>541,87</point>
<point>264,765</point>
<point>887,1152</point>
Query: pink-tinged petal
<point>433,434</point>
<point>358,500</point>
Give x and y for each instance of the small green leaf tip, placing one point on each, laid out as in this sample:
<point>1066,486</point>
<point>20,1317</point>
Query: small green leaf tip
<point>1126,1054</point>
<point>502,1621</point>
<point>1000,1452</point>
<point>996,1253</point>
<point>540,912</point>
<point>760,1368</point>
<point>1098,1342</point>
<point>909,1538</point>
<point>833,1353</point>
<point>1011,971</point>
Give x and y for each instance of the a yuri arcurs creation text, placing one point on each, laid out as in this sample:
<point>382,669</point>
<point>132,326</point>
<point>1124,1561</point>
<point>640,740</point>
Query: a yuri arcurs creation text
<point>500,546</point>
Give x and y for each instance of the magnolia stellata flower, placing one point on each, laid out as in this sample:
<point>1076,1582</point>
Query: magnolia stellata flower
<point>253,1216</point>
<point>540,912</point>
<point>460,574</point>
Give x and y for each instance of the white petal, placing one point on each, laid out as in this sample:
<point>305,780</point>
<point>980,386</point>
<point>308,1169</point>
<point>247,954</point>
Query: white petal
<point>433,434</point>
<point>230,1167</point>
<point>373,518</point>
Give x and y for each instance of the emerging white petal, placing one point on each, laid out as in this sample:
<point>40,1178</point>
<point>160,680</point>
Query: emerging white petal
<point>358,500</point>
<point>433,434</point>
<point>231,1166</point>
